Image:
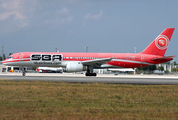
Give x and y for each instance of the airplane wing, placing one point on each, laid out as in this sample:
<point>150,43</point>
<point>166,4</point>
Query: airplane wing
<point>163,58</point>
<point>96,61</point>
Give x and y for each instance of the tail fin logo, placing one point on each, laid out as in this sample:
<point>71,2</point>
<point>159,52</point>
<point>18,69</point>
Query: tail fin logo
<point>162,42</point>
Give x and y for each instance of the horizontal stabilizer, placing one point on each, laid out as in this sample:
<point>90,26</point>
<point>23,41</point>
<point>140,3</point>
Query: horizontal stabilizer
<point>163,58</point>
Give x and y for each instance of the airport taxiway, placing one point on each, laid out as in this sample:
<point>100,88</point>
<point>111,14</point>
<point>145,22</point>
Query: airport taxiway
<point>101,78</point>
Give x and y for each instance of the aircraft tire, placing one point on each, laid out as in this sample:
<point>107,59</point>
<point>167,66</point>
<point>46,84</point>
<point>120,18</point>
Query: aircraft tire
<point>94,74</point>
<point>23,74</point>
<point>90,74</point>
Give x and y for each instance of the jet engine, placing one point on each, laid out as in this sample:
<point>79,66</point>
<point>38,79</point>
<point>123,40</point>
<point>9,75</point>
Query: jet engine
<point>75,67</point>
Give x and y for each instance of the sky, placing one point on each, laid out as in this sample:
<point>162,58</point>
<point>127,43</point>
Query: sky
<point>109,26</point>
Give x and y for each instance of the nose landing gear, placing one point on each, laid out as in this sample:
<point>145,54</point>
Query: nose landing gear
<point>23,71</point>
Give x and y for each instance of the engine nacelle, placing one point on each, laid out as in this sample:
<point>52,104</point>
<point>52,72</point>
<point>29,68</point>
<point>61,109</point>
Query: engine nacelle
<point>75,67</point>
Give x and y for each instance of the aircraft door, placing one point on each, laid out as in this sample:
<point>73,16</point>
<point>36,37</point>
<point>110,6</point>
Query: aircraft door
<point>142,58</point>
<point>20,57</point>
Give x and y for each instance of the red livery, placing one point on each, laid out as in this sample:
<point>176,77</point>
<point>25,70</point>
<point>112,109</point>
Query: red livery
<point>75,62</point>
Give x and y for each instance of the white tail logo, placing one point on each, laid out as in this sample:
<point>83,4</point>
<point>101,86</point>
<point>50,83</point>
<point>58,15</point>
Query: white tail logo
<point>162,42</point>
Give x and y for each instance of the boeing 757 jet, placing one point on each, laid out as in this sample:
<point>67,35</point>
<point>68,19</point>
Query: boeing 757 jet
<point>75,62</point>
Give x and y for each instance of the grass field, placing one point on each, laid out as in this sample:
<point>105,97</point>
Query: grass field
<point>49,100</point>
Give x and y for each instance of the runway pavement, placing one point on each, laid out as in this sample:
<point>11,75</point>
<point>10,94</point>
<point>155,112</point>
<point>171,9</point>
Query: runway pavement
<point>101,78</point>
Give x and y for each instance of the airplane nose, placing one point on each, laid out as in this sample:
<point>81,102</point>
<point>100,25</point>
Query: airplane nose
<point>3,62</point>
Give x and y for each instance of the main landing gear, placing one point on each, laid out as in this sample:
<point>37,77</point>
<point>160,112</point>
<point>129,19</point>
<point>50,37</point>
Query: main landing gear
<point>90,72</point>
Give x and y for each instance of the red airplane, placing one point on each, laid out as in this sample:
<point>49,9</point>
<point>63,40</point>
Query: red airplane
<point>75,62</point>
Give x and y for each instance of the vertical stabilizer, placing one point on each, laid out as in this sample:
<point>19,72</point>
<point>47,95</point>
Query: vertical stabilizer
<point>160,44</point>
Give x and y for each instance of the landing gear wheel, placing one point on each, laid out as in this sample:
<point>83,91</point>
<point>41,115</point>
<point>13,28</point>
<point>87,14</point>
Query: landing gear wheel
<point>23,73</point>
<point>90,74</point>
<point>94,74</point>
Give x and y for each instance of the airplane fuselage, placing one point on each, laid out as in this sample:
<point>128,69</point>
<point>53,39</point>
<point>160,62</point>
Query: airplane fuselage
<point>53,59</point>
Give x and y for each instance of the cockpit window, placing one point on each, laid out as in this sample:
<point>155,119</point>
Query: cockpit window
<point>10,57</point>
